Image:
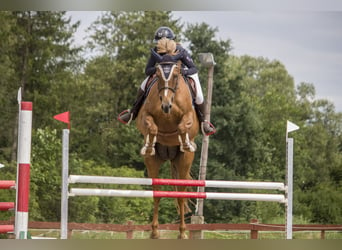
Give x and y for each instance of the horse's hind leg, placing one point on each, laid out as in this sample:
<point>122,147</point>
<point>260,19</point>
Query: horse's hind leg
<point>153,164</point>
<point>155,224</point>
<point>181,170</point>
<point>182,225</point>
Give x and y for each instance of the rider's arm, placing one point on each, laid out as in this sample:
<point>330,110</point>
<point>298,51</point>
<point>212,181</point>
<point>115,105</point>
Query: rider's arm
<point>151,66</point>
<point>187,61</point>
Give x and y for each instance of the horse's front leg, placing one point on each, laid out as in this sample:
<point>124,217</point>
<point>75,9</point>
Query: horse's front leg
<point>153,165</point>
<point>181,166</point>
<point>150,137</point>
<point>155,223</point>
<point>182,226</point>
<point>186,144</point>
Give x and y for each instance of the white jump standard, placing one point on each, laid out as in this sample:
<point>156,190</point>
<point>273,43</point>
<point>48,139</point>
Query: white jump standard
<point>22,183</point>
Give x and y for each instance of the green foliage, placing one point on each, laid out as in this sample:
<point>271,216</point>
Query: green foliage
<point>114,210</point>
<point>45,175</point>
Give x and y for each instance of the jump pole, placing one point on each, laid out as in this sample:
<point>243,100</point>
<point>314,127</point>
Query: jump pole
<point>174,194</point>
<point>7,206</point>
<point>7,184</point>
<point>23,168</point>
<point>65,174</point>
<point>174,182</point>
<point>289,179</point>
<point>64,117</point>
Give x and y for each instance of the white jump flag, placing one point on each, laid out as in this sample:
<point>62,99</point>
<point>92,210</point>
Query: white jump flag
<point>291,127</point>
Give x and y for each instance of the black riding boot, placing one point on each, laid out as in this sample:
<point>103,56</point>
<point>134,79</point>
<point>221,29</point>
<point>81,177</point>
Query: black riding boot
<point>128,115</point>
<point>206,127</point>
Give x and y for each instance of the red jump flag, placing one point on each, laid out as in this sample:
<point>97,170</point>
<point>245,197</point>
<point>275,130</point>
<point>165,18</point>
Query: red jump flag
<point>63,117</point>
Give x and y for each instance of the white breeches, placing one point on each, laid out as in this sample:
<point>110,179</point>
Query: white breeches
<point>199,95</point>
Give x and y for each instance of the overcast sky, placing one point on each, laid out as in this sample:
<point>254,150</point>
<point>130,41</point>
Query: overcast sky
<point>308,43</point>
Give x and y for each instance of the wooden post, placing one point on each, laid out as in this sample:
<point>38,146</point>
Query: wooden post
<point>69,233</point>
<point>129,233</point>
<point>207,59</point>
<point>254,231</point>
<point>205,141</point>
<point>196,234</point>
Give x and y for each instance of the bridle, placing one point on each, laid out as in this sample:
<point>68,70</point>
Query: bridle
<point>166,76</point>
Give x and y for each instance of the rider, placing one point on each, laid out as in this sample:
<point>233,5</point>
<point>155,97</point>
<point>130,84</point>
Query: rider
<point>189,70</point>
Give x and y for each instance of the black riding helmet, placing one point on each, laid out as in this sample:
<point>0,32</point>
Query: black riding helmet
<point>163,31</point>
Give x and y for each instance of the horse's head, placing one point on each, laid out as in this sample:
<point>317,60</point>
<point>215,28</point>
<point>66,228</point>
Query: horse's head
<point>167,73</point>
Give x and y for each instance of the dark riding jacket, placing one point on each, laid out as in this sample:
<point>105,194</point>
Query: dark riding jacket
<point>188,66</point>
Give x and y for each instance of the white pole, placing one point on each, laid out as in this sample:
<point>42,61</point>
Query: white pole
<point>289,191</point>
<point>149,181</point>
<point>174,194</point>
<point>19,98</point>
<point>290,127</point>
<point>65,173</point>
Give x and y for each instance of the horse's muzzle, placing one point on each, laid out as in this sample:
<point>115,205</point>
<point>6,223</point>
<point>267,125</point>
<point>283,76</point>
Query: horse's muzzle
<point>166,108</point>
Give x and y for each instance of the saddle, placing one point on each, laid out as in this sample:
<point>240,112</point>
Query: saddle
<point>188,80</point>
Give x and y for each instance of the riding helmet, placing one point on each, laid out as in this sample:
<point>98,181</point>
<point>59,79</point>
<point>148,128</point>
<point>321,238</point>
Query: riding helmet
<point>163,31</point>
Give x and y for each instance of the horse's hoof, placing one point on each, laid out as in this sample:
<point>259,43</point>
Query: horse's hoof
<point>183,236</point>
<point>155,235</point>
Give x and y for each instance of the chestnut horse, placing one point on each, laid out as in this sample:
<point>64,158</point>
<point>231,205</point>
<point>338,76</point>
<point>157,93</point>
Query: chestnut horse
<point>169,124</point>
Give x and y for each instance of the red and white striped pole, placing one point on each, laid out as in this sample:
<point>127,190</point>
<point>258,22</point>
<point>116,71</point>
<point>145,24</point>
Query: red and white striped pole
<point>23,169</point>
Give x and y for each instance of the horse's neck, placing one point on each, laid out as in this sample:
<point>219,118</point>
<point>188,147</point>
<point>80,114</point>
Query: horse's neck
<point>183,95</point>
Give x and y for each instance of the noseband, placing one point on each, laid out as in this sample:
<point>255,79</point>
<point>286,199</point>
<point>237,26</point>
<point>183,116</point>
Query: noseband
<point>166,73</point>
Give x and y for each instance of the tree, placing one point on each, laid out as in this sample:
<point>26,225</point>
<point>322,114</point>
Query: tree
<point>40,60</point>
<point>319,161</point>
<point>111,80</point>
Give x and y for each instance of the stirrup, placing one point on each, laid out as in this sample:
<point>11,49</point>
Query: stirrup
<point>211,127</point>
<point>125,116</point>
